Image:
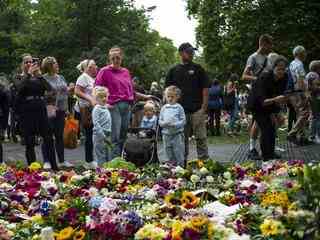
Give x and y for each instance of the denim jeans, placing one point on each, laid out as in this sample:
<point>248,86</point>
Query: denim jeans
<point>315,126</point>
<point>56,125</point>
<point>101,152</point>
<point>175,148</point>
<point>233,115</point>
<point>120,117</point>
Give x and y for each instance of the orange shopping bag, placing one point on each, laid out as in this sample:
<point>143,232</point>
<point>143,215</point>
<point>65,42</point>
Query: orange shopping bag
<point>70,134</point>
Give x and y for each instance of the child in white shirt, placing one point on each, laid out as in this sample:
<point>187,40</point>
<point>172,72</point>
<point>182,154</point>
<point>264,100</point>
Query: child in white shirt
<point>101,119</point>
<point>172,120</point>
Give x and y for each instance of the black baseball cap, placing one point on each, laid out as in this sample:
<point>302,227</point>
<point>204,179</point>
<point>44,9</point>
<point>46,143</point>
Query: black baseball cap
<point>186,47</point>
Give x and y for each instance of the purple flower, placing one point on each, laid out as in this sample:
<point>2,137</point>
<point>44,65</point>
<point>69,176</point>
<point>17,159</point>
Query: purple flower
<point>191,234</point>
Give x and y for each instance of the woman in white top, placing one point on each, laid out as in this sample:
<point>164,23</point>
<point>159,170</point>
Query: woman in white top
<point>84,90</point>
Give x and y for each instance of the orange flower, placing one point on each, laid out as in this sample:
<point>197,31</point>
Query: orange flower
<point>79,235</point>
<point>200,163</point>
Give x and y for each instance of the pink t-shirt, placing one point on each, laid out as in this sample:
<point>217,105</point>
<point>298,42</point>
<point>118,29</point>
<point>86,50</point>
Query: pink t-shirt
<point>118,82</point>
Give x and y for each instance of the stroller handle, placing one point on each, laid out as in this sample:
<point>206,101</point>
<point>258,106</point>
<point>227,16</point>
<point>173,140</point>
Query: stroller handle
<point>156,99</point>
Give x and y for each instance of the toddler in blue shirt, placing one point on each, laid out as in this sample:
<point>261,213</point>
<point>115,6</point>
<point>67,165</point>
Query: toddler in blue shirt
<point>149,119</point>
<point>101,119</point>
<point>172,120</point>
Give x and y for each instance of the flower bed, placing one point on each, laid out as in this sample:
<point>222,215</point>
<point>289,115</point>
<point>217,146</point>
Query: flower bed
<point>280,200</point>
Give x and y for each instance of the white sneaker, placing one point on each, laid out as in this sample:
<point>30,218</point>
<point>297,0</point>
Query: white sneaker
<point>46,165</point>
<point>66,164</point>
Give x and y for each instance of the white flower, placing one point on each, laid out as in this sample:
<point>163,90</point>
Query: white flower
<point>179,170</point>
<point>150,195</point>
<point>227,175</point>
<point>246,183</point>
<point>194,178</point>
<point>76,178</point>
<point>228,183</point>
<point>93,191</point>
<point>204,171</point>
<point>47,233</point>
<point>209,179</point>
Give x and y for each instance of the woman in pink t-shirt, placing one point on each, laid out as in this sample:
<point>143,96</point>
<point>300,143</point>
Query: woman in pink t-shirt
<point>121,95</point>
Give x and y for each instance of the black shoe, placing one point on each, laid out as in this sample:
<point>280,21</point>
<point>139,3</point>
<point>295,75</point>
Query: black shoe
<point>14,139</point>
<point>276,156</point>
<point>272,157</point>
<point>254,155</point>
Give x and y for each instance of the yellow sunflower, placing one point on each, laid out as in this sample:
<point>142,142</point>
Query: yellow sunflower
<point>79,235</point>
<point>270,227</point>
<point>65,233</point>
<point>189,200</point>
<point>199,222</point>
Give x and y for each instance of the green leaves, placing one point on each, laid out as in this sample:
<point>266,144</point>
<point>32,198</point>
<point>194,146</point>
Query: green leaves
<point>228,31</point>
<point>72,30</point>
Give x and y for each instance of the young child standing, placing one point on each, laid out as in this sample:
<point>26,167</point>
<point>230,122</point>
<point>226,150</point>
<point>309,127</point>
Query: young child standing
<point>172,120</point>
<point>149,119</point>
<point>101,119</point>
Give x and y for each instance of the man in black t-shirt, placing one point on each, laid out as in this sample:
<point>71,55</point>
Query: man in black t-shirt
<point>193,81</point>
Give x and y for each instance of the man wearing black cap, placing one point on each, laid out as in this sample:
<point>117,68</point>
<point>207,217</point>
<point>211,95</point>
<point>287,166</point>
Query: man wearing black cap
<point>193,81</point>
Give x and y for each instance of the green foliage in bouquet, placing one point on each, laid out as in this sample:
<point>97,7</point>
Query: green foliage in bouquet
<point>120,163</point>
<point>213,166</point>
<point>310,183</point>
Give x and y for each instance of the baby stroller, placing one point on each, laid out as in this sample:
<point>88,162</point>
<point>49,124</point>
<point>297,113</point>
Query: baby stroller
<point>140,147</point>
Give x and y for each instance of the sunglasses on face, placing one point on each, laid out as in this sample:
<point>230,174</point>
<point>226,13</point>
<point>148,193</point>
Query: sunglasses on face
<point>115,58</point>
<point>27,62</point>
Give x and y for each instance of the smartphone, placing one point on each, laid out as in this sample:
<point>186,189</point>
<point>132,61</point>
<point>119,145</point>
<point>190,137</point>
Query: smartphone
<point>35,60</point>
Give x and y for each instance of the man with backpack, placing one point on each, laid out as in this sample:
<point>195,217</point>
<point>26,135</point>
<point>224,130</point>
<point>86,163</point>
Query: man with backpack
<point>256,64</point>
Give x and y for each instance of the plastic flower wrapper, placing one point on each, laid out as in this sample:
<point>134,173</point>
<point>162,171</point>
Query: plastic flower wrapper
<point>35,166</point>
<point>119,163</point>
<point>151,232</point>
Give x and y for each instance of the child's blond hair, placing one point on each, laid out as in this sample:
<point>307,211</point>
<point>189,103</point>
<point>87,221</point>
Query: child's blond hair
<point>173,89</point>
<point>100,92</point>
<point>149,106</point>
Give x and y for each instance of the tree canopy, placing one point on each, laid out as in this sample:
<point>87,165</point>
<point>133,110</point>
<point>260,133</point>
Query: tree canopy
<point>228,30</point>
<point>72,30</point>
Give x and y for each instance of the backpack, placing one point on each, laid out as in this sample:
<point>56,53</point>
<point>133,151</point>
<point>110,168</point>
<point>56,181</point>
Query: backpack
<point>215,100</point>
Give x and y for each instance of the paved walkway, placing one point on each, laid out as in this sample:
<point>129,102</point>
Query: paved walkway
<point>14,152</point>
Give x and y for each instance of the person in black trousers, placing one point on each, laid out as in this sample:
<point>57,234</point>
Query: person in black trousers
<point>265,100</point>
<point>32,109</point>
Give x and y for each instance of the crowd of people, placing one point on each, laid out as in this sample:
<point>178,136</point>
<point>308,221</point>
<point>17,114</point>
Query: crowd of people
<point>39,99</point>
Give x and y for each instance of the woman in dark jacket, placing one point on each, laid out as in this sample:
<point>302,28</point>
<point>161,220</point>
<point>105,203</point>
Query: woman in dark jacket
<point>215,104</point>
<point>33,111</point>
<point>265,100</point>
